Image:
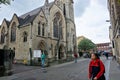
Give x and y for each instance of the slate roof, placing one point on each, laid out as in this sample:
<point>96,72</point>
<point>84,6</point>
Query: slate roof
<point>30,16</point>
<point>26,20</point>
<point>33,12</point>
<point>8,23</point>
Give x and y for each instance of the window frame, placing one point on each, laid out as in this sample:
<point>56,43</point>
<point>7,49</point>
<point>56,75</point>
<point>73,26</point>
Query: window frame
<point>13,33</point>
<point>3,35</point>
<point>58,26</point>
<point>25,36</point>
<point>39,28</point>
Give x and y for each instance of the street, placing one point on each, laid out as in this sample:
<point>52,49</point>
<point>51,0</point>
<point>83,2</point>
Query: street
<point>66,71</point>
<point>39,39</point>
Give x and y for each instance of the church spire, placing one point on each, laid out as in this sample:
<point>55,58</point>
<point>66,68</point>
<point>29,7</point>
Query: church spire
<point>46,2</point>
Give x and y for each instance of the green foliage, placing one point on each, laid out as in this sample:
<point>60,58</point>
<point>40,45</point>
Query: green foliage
<point>6,2</point>
<point>86,45</point>
<point>119,1</point>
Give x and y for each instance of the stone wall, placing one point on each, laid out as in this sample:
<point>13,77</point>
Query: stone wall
<point>34,41</point>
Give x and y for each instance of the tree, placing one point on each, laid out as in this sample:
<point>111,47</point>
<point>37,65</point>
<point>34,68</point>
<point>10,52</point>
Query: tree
<point>6,2</point>
<point>119,1</point>
<point>86,45</point>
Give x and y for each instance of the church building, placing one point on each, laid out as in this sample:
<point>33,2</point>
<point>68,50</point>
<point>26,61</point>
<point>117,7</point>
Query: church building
<point>50,28</point>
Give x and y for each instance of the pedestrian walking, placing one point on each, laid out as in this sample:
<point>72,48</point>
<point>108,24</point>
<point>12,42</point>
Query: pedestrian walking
<point>12,55</point>
<point>114,57</point>
<point>106,55</point>
<point>75,57</point>
<point>43,59</point>
<point>96,68</point>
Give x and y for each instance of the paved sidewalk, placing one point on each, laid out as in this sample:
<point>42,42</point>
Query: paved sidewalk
<point>107,68</point>
<point>114,71</point>
<point>18,68</point>
<point>33,74</point>
<point>60,65</point>
<point>66,71</point>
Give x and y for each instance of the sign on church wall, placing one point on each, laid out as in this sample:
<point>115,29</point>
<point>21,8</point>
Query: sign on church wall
<point>37,53</point>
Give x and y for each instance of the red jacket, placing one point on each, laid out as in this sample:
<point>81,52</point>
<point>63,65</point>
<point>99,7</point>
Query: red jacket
<point>75,55</point>
<point>96,63</point>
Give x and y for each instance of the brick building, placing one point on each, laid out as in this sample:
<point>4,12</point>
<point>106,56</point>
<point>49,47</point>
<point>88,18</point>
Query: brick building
<point>104,47</point>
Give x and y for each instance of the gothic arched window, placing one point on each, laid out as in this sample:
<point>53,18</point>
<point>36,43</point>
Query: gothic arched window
<point>43,29</point>
<point>119,31</point>
<point>57,26</point>
<point>60,29</point>
<point>25,37</point>
<point>39,28</point>
<point>13,32</point>
<point>3,35</point>
<point>73,39</point>
<point>64,9</point>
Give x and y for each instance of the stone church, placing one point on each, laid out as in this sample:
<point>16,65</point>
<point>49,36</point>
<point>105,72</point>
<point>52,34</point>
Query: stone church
<point>50,28</point>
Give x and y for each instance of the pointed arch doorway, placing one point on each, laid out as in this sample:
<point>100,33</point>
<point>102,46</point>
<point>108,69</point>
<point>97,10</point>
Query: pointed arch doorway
<point>5,47</point>
<point>61,53</point>
<point>42,46</point>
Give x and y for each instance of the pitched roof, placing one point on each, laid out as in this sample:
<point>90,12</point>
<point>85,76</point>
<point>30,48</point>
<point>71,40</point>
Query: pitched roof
<point>26,20</point>
<point>30,16</point>
<point>8,23</point>
<point>33,12</point>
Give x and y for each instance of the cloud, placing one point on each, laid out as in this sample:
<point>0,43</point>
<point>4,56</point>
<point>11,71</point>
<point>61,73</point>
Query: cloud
<point>92,23</point>
<point>80,6</point>
<point>19,7</point>
<point>102,2</point>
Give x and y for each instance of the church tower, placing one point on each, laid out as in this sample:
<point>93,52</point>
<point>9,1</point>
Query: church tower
<point>70,24</point>
<point>68,9</point>
<point>47,29</point>
<point>46,11</point>
<point>46,2</point>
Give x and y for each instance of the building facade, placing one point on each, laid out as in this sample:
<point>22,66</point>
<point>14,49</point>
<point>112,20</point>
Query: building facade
<point>114,10</point>
<point>104,47</point>
<point>111,40</point>
<point>50,28</point>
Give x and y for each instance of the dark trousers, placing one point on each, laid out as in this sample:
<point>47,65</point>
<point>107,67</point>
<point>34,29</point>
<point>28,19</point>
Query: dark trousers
<point>101,78</point>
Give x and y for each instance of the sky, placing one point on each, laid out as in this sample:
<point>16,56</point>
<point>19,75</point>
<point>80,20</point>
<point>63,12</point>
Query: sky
<point>90,16</point>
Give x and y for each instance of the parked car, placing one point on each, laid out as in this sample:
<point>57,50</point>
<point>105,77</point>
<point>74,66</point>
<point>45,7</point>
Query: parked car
<point>86,55</point>
<point>109,54</point>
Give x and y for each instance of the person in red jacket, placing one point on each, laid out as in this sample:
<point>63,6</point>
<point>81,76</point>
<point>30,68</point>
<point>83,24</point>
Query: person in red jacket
<point>75,57</point>
<point>96,68</point>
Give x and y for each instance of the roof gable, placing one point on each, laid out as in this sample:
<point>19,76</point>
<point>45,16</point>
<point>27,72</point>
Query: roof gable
<point>41,14</point>
<point>13,19</point>
<point>6,22</point>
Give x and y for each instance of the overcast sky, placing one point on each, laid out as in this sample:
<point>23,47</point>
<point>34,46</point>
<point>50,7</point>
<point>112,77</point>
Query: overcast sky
<point>90,16</point>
